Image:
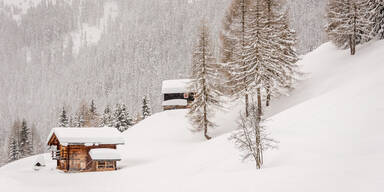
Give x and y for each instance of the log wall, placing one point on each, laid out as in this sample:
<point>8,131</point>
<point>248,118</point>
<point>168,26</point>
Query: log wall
<point>77,158</point>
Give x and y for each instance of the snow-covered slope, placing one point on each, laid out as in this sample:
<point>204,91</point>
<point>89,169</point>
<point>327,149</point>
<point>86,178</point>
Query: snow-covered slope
<point>329,129</point>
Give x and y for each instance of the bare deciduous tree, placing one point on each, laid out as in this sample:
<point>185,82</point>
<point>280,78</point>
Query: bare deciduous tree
<point>251,137</point>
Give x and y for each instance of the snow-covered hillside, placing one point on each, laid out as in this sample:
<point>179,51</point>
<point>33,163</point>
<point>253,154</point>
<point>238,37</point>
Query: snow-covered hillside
<point>329,129</point>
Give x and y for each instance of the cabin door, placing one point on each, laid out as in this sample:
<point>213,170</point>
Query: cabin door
<point>74,162</point>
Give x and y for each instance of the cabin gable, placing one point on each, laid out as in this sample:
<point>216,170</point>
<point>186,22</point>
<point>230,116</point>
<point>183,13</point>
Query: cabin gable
<point>53,140</point>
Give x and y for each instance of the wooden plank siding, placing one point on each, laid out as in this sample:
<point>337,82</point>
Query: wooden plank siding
<point>77,158</point>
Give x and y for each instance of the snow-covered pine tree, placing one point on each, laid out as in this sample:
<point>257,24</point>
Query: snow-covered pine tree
<point>13,149</point>
<point>146,109</point>
<point>122,120</point>
<point>376,10</point>
<point>348,23</point>
<point>233,43</point>
<point>204,71</point>
<point>107,118</point>
<point>26,146</point>
<point>288,55</point>
<point>251,137</point>
<point>284,48</point>
<point>63,119</point>
<point>261,64</point>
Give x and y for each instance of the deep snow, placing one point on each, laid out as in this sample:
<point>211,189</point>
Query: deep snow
<point>330,132</point>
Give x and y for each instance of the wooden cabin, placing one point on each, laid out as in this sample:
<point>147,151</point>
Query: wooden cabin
<point>85,149</point>
<point>177,94</point>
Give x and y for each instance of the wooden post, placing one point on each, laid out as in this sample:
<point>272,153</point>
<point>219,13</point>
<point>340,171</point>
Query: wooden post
<point>67,158</point>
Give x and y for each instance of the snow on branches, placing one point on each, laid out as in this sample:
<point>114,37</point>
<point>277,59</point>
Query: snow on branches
<point>146,108</point>
<point>258,49</point>
<point>204,71</point>
<point>376,11</point>
<point>348,23</point>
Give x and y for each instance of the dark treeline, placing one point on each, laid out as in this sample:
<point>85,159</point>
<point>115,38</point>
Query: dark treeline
<point>25,141</point>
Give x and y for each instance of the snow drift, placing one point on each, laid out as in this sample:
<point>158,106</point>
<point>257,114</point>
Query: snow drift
<point>330,134</point>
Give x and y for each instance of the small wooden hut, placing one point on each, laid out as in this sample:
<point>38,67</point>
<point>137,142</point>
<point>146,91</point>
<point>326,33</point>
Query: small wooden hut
<point>85,149</point>
<point>177,94</point>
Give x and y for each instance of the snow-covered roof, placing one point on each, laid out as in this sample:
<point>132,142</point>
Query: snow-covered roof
<point>176,86</point>
<point>87,136</point>
<point>104,154</point>
<point>180,102</point>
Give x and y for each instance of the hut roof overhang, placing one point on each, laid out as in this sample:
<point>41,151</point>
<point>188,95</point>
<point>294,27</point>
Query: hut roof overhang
<point>105,154</point>
<point>85,136</point>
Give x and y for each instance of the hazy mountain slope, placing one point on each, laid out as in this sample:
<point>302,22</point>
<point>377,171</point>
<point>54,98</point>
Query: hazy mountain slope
<point>56,54</point>
<point>330,140</point>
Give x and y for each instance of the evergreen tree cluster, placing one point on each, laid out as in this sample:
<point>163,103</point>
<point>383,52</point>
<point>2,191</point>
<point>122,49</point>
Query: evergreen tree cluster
<point>88,116</point>
<point>258,61</point>
<point>20,142</point>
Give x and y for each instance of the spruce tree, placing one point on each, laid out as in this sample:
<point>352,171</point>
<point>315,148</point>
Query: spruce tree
<point>26,146</point>
<point>204,71</point>
<point>348,23</point>
<point>146,109</point>
<point>63,119</point>
<point>122,120</point>
<point>13,149</point>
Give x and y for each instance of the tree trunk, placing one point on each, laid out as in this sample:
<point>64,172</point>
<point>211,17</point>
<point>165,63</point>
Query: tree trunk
<point>243,11</point>
<point>353,37</point>
<point>246,105</point>
<point>258,136</point>
<point>205,91</point>
<point>206,123</point>
<point>267,102</point>
<point>353,48</point>
<point>259,105</point>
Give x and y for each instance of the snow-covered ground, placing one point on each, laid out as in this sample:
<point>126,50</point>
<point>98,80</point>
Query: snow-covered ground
<point>330,132</point>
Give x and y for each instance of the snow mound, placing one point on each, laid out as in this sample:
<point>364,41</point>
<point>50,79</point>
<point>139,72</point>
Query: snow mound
<point>330,134</point>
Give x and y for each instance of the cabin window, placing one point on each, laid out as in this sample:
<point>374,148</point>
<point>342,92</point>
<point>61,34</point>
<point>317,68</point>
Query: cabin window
<point>170,96</point>
<point>110,164</point>
<point>101,164</point>
<point>173,96</point>
<point>105,164</point>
